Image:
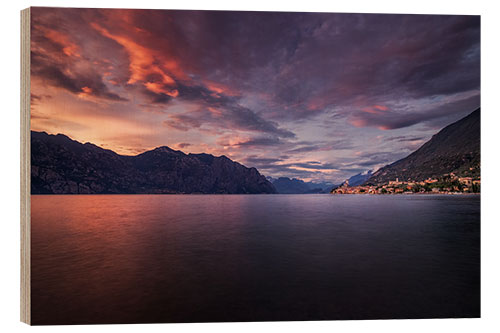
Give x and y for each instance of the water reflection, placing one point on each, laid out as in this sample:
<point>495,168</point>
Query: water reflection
<point>184,258</point>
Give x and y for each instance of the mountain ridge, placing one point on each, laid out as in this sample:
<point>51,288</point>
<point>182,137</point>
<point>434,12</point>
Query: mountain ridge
<point>454,149</point>
<point>61,165</point>
<point>286,185</point>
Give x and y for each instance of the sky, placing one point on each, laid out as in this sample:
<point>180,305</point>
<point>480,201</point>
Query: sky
<point>313,96</point>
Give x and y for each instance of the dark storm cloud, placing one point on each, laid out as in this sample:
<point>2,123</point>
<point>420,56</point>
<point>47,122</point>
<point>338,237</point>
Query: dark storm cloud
<point>308,147</point>
<point>297,85</point>
<point>296,65</point>
<point>216,109</point>
<point>57,57</point>
<point>76,83</point>
<point>183,145</point>
<point>403,138</point>
<point>183,122</point>
<point>155,98</point>
<point>308,63</point>
<point>244,118</point>
<point>289,146</point>
<point>192,92</point>
<point>369,160</point>
<point>389,119</point>
<point>259,142</point>
<point>262,160</point>
<point>231,116</point>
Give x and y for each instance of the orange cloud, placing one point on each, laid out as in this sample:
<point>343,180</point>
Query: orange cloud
<point>69,48</point>
<point>146,67</point>
<point>86,92</point>
<point>375,109</point>
<point>215,112</point>
<point>159,88</point>
<point>381,107</point>
<point>358,122</point>
<point>219,88</point>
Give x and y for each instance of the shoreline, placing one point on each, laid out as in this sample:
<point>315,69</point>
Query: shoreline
<point>417,193</point>
<point>252,194</point>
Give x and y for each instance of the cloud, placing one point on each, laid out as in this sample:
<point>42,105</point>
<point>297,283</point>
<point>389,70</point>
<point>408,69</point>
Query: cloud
<point>278,167</point>
<point>183,145</point>
<point>314,166</point>
<point>404,138</point>
<point>371,160</point>
<point>226,117</point>
<point>308,147</point>
<point>312,87</point>
<point>182,122</point>
<point>88,84</point>
<point>259,160</point>
<point>146,67</point>
<point>59,60</point>
<point>299,67</point>
<point>393,119</point>
<point>256,142</point>
<point>35,99</point>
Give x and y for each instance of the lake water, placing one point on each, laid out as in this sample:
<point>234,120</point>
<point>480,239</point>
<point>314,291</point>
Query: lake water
<point>201,258</point>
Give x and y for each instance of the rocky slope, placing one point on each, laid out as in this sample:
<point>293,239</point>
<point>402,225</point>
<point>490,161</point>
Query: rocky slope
<point>456,148</point>
<point>64,166</point>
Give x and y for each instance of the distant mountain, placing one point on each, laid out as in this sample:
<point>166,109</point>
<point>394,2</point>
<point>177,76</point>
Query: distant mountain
<point>285,185</point>
<point>60,165</point>
<point>456,148</point>
<point>359,178</point>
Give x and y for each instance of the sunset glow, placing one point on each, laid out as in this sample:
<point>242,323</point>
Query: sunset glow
<point>312,96</point>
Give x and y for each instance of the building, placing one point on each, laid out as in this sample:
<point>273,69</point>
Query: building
<point>465,180</point>
<point>395,182</point>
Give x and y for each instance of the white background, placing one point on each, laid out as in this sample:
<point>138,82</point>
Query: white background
<point>490,221</point>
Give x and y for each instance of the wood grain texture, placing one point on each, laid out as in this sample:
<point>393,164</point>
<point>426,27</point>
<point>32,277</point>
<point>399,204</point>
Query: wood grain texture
<point>25,169</point>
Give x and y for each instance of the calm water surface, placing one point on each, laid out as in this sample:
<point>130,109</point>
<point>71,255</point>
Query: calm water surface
<point>185,258</point>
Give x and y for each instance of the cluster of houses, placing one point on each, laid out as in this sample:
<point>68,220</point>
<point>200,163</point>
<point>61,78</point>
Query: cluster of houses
<point>447,184</point>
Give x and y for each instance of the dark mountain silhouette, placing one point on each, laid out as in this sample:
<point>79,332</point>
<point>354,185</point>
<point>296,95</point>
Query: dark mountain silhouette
<point>60,165</point>
<point>456,148</point>
<point>285,185</point>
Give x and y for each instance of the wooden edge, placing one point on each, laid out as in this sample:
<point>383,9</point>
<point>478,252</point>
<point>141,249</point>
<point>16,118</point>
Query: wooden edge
<point>25,168</point>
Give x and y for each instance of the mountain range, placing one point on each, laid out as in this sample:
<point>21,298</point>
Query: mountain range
<point>60,165</point>
<point>454,149</point>
<point>285,185</point>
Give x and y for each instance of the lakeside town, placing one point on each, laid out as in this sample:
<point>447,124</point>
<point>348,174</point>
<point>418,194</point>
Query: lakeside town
<point>447,184</point>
